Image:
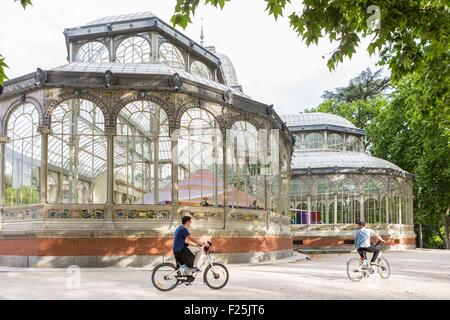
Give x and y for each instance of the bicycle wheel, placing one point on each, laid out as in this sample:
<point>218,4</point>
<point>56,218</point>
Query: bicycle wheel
<point>217,277</point>
<point>354,272</point>
<point>164,277</point>
<point>384,269</point>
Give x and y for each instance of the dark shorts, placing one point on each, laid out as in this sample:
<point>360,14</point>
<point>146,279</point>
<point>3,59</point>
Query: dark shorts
<point>372,248</point>
<point>185,257</point>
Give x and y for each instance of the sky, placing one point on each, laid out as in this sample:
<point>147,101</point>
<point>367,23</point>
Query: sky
<point>273,64</point>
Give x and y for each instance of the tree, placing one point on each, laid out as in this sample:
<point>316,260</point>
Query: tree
<point>367,85</point>
<point>403,134</point>
<point>3,65</point>
<point>359,102</point>
<point>410,35</point>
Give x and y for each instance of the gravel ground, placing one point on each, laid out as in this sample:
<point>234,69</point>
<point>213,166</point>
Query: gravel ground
<point>419,274</point>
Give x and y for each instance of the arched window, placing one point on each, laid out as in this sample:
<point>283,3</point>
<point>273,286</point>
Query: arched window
<point>201,69</point>
<point>314,141</point>
<point>299,200</point>
<point>92,52</point>
<point>353,144</point>
<point>335,141</point>
<point>142,157</point>
<point>373,193</point>
<point>22,157</point>
<point>374,187</point>
<point>245,174</point>
<point>200,156</point>
<point>172,56</point>
<point>322,198</point>
<point>350,207</point>
<point>133,50</point>
<point>77,152</point>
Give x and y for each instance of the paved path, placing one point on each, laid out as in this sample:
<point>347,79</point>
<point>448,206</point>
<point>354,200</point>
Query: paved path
<point>419,274</point>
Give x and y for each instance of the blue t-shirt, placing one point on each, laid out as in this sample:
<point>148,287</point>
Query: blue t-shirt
<point>179,238</point>
<point>362,238</point>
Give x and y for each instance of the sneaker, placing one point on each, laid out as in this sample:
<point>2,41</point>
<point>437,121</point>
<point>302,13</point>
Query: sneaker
<point>183,270</point>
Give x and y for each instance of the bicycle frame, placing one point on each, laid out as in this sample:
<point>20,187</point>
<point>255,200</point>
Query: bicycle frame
<point>371,264</point>
<point>184,278</point>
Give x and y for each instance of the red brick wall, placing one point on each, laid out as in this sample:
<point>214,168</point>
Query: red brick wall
<point>336,241</point>
<point>132,246</point>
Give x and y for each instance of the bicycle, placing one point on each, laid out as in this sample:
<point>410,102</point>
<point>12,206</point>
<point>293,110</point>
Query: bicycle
<point>358,268</point>
<point>167,276</point>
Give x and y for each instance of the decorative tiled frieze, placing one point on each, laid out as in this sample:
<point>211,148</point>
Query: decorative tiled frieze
<point>83,214</point>
<point>204,214</point>
<point>142,214</point>
<point>22,214</point>
<point>247,216</point>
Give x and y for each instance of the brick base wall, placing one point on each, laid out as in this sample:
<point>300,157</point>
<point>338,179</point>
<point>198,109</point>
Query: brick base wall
<point>132,246</point>
<point>339,241</point>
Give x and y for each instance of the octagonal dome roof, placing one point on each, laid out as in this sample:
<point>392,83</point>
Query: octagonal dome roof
<point>350,160</point>
<point>143,69</point>
<point>316,119</point>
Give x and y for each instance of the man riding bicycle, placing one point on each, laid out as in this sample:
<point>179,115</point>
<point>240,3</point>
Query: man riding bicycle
<point>184,256</point>
<point>362,242</point>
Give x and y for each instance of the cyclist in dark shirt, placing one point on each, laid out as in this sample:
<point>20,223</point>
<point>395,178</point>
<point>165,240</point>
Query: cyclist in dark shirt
<point>182,254</point>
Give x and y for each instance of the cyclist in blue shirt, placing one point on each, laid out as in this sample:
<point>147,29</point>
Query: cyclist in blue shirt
<point>182,254</point>
<point>362,241</point>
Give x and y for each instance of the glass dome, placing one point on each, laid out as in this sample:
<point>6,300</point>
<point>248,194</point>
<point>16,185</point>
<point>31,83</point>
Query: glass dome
<point>316,118</point>
<point>323,159</point>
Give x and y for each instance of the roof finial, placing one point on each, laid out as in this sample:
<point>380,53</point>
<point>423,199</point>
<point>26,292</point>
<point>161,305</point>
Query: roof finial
<point>202,35</point>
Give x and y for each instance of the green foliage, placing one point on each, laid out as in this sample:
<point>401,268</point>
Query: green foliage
<point>405,129</point>
<point>414,140</point>
<point>359,102</point>
<point>25,3</point>
<point>21,196</point>
<point>185,9</point>
<point>412,34</point>
<point>2,70</point>
<point>367,85</point>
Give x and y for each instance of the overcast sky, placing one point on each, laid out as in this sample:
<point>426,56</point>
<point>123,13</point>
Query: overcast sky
<point>273,65</point>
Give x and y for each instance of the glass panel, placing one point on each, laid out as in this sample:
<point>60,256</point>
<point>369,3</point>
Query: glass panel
<point>93,52</point>
<point>77,153</point>
<point>335,142</point>
<point>171,55</point>
<point>321,200</point>
<point>142,155</point>
<point>353,144</point>
<point>274,172</point>
<point>23,157</point>
<point>244,168</point>
<point>314,141</point>
<point>200,158</point>
<point>201,69</point>
<point>133,50</point>
<point>348,207</point>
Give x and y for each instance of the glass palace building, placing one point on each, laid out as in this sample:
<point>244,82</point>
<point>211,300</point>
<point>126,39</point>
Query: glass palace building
<point>335,183</point>
<point>100,158</point>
